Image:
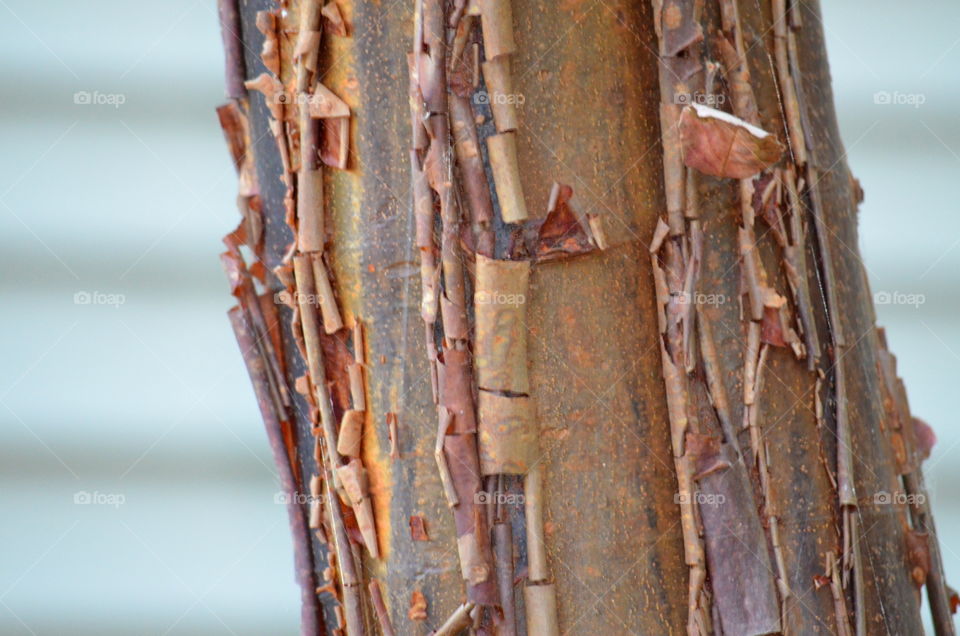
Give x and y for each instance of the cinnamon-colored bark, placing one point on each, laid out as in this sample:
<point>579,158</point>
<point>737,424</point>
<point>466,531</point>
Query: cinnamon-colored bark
<point>696,324</point>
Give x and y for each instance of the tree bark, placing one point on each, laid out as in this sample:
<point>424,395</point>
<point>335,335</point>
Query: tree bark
<point>721,442</point>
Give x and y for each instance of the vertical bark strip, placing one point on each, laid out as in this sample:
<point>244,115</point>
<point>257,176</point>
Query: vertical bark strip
<point>762,299</point>
<point>310,614</point>
<point>910,454</point>
<point>467,140</point>
<point>454,375</point>
<point>235,69</point>
<point>720,509</point>
<point>851,561</point>
<point>679,31</point>
<point>290,89</point>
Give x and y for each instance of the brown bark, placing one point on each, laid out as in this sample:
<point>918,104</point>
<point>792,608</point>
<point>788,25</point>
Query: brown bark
<point>689,428</point>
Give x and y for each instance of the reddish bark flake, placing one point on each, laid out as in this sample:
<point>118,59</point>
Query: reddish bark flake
<point>234,126</point>
<point>925,436</point>
<point>418,528</point>
<point>333,19</point>
<point>338,358</point>
<point>706,454</point>
<point>266,22</point>
<point>563,233</point>
<point>771,331</point>
<point>418,606</point>
<point>718,144</point>
<point>324,104</point>
<point>335,144</point>
<point>460,77</point>
<point>392,434</point>
<point>918,556</point>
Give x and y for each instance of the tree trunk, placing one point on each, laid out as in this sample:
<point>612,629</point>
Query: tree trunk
<point>650,353</point>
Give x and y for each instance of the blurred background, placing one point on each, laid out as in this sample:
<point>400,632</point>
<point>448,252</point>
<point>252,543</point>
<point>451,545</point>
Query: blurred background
<point>136,484</point>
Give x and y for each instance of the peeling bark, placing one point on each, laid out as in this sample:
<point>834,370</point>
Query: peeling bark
<point>590,444</point>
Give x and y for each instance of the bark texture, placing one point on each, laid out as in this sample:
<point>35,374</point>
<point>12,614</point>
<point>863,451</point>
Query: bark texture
<point>611,358</point>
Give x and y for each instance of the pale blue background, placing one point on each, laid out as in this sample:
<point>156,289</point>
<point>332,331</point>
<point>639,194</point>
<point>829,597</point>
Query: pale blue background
<point>149,399</point>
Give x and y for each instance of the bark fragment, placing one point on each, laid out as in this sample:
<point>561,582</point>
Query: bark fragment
<point>498,77</point>
<point>236,70</point>
<point>350,433</point>
<point>503,553</point>
<point>353,476</point>
<point>383,615</point>
<point>418,606</point>
<point>508,434</point>
<point>721,145</point>
<point>502,151</point>
<point>418,528</point>
<point>923,546</point>
<point>500,303</point>
<point>457,621</point>
<point>496,18</point>
<point>467,147</point>
<point>564,233</point>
